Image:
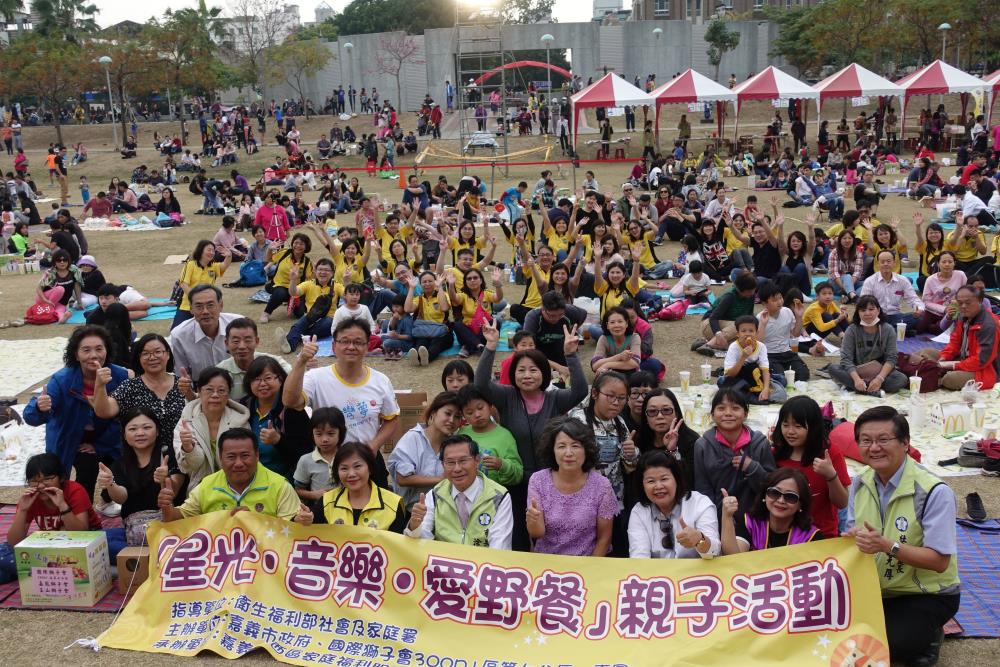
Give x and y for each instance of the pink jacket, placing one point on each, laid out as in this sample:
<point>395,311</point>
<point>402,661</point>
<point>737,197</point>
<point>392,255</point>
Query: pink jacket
<point>274,220</point>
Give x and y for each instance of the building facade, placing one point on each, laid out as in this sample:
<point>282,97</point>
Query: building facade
<point>693,10</point>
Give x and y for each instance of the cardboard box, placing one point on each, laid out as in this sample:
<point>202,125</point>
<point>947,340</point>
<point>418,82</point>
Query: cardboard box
<point>133,568</point>
<point>63,568</point>
<point>412,405</point>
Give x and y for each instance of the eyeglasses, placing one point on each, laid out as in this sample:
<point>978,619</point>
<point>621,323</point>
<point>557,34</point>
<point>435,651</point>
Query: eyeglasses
<point>265,379</point>
<point>613,398</point>
<point>62,260</point>
<point>348,342</point>
<point>656,412</point>
<point>790,497</point>
<point>214,392</point>
<point>668,533</point>
<point>456,463</point>
<point>882,442</point>
<point>638,393</point>
<point>47,479</point>
<point>153,354</point>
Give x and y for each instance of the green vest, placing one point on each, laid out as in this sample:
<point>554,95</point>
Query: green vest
<point>447,527</point>
<point>262,495</point>
<point>902,524</point>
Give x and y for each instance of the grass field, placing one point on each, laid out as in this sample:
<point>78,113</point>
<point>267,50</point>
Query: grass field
<point>137,258</point>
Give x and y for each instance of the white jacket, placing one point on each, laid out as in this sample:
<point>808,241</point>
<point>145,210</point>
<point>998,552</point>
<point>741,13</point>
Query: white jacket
<point>645,539</point>
<point>204,458</point>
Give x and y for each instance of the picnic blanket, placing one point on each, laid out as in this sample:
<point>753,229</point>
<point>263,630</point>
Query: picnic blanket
<point>979,569</point>
<point>162,312</point>
<point>508,328</point>
<point>121,223</point>
<point>18,443</point>
<point>24,364</point>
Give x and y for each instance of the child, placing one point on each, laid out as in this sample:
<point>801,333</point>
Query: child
<point>690,252</point>
<point>352,308</point>
<point>397,333</point>
<point>693,285</point>
<point>456,374</point>
<point>778,326</point>
<point>746,367</point>
<point>84,190</point>
<point>500,461</point>
<point>643,329</point>
<point>824,318</point>
<point>313,474</point>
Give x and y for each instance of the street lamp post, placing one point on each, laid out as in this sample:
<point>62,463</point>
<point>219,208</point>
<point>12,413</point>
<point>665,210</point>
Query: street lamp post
<point>106,62</point>
<point>944,28</point>
<point>349,47</point>
<point>547,40</point>
<point>656,50</point>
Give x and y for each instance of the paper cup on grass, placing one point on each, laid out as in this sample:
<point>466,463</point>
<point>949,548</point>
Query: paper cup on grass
<point>901,331</point>
<point>915,385</point>
<point>685,380</point>
<point>706,373</point>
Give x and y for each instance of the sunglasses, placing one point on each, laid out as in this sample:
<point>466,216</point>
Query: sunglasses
<point>668,533</point>
<point>790,497</point>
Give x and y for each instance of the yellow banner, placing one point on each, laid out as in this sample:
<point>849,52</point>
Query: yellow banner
<point>351,597</point>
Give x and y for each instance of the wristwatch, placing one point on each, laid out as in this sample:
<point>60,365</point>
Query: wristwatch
<point>894,549</point>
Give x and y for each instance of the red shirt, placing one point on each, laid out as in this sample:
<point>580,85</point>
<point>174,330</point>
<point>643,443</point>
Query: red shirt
<point>824,512</point>
<point>49,518</point>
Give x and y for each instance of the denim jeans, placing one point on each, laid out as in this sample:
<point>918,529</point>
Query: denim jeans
<point>848,280</point>
<point>802,275</point>
<point>658,271</point>
<point>320,329</point>
<point>8,567</point>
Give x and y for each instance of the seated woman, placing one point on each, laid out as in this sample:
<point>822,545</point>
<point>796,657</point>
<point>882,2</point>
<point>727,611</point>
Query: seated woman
<point>51,502</point>
<point>357,500</point>
<point>93,280</point>
<point>200,269</point>
<point>971,352</point>
<point>778,517</point>
<point>291,265</point>
<point>321,296</point>
<point>169,205</point>
<point>670,520</point>
<point>868,354</point>
<point>661,427</point>
<point>414,465</point>
<point>211,414</point>
<point>60,284</point>
<point>472,303</point>
<point>571,506</point>
<point>431,334</point>
<point>283,433</point>
<point>939,292</point>
<point>19,241</point>
<point>618,348</point>
<point>226,238</point>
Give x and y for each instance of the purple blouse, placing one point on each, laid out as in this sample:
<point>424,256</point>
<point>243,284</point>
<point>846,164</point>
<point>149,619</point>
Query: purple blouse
<point>571,521</point>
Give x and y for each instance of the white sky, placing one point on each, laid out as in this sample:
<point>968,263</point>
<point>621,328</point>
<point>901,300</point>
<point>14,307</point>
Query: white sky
<point>113,11</point>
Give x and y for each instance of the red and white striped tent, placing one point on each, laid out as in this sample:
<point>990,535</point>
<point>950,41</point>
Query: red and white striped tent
<point>693,88</point>
<point>855,81</point>
<point>940,78</point>
<point>772,84</point>
<point>610,91</point>
<point>992,92</point>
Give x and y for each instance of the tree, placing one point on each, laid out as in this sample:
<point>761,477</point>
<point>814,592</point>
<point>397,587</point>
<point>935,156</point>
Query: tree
<point>256,26</point>
<point>326,29</point>
<point>295,61</point>
<point>370,16</point>
<point>395,51</point>
<point>53,70</point>
<point>720,39</point>
<point>526,11</point>
<point>794,42</point>
<point>10,7</point>
<point>65,19</point>
<point>134,70</point>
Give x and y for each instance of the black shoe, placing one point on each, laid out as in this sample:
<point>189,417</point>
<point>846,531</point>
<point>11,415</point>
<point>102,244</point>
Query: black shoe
<point>706,351</point>
<point>974,507</point>
<point>698,342</point>
<point>991,468</point>
<point>932,653</point>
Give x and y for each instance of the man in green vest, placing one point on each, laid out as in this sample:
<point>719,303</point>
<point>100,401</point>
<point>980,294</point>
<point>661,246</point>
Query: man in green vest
<point>243,484</point>
<point>905,517</point>
<point>466,507</point>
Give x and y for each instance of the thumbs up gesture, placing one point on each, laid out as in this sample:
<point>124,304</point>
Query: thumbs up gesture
<point>729,504</point>
<point>165,499</point>
<point>688,536</point>
<point>184,384</point>
<point>269,436</point>
<point>304,517</point>
<point>629,450</point>
<point>187,438</point>
<point>418,513</point>
<point>103,376</point>
<point>308,351</point>
<point>870,540</point>
<point>105,479</point>
<point>824,467</point>
<point>535,516</point>
<point>44,401</point>
<point>160,474</point>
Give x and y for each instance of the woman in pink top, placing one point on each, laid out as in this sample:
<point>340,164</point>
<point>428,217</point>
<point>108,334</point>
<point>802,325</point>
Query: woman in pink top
<point>939,290</point>
<point>571,506</point>
<point>273,218</point>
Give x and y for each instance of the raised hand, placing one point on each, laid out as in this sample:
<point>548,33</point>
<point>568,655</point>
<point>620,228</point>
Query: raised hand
<point>636,252</point>
<point>570,341</point>
<point>187,438</point>
<point>184,384</point>
<point>671,437</point>
<point>918,219</point>
<point>28,498</point>
<point>103,376</point>
<point>730,504</point>
<point>824,467</point>
<point>268,435</point>
<point>497,275</point>
<point>105,480</point>
<point>160,473</point>
<point>418,513</point>
<point>44,401</point>
<point>490,332</point>
<point>412,282</point>
<point>535,515</point>
<point>869,540</point>
<point>304,517</point>
<point>629,450</point>
<point>688,536</point>
<point>55,495</point>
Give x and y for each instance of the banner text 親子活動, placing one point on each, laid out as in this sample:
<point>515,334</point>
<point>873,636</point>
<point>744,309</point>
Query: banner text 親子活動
<point>351,597</point>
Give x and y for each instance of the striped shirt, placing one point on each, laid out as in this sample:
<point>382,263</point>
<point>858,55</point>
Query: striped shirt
<point>891,293</point>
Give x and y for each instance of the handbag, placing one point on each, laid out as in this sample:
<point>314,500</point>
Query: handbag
<point>479,317</point>
<point>41,313</point>
<point>429,329</point>
<point>321,306</point>
<point>136,525</point>
<point>929,372</point>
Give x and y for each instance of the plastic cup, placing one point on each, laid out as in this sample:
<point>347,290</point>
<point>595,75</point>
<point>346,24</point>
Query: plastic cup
<point>901,331</point>
<point>789,380</point>
<point>510,339</point>
<point>685,381</point>
<point>915,385</point>
<point>687,410</point>
<point>978,415</point>
<point>706,373</point>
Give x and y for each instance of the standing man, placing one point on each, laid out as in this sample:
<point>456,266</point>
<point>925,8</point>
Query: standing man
<point>904,516</point>
<point>352,95</point>
<point>62,173</point>
<point>364,395</point>
<point>449,95</point>
<point>436,118</point>
<point>200,342</point>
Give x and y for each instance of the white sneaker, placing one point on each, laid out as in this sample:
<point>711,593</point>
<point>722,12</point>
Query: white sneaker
<point>109,509</point>
<point>282,337</point>
<point>423,355</point>
<point>411,356</point>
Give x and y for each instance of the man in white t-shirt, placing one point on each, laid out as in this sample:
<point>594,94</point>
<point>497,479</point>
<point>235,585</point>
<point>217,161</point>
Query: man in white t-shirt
<point>364,395</point>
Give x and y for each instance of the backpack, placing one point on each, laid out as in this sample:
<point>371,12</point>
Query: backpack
<point>41,313</point>
<point>251,274</point>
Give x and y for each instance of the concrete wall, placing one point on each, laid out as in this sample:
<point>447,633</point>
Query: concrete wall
<point>631,49</point>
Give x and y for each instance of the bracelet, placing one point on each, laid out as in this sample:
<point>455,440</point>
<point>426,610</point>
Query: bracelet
<point>832,478</point>
<point>66,511</point>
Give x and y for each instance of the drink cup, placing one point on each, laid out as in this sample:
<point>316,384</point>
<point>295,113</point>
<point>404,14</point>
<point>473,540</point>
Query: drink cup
<point>510,339</point>
<point>901,331</point>
<point>685,381</point>
<point>915,385</point>
<point>706,373</point>
<point>978,415</point>
<point>789,380</point>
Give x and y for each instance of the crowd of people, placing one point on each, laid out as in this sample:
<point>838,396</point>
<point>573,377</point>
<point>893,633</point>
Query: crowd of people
<point>541,457</point>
